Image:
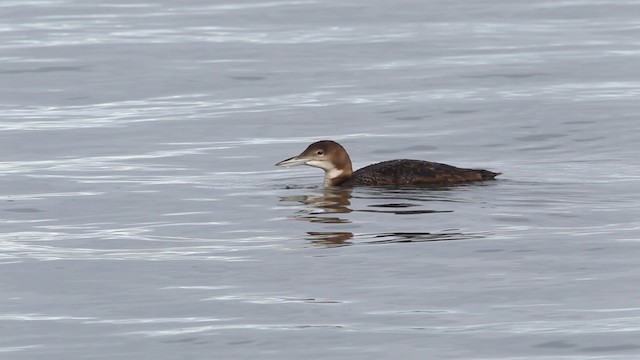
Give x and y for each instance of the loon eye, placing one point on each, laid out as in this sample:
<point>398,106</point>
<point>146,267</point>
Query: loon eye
<point>320,152</point>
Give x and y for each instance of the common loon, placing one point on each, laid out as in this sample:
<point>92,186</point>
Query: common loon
<point>333,159</point>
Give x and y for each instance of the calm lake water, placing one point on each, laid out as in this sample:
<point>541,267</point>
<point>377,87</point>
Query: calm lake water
<point>142,216</point>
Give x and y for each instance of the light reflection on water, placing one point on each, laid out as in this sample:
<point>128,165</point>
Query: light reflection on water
<point>182,107</point>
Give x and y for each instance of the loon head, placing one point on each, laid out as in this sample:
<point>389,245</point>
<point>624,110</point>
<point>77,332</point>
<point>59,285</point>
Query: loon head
<point>327,155</point>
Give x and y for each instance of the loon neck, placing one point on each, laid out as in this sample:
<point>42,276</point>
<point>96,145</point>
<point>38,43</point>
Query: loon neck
<point>337,165</point>
<point>337,177</point>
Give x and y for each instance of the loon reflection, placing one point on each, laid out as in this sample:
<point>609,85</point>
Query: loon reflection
<point>327,206</point>
<point>342,238</point>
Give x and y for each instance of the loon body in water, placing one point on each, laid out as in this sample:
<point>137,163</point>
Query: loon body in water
<point>334,160</point>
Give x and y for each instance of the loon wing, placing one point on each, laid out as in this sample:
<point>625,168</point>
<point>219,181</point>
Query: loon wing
<point>416,172</point>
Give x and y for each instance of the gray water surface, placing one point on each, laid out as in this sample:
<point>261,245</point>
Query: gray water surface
<point>142,216</point>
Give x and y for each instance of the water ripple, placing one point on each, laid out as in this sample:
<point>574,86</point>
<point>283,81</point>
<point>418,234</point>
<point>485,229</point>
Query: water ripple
<point>4,349</point>
<point>56,245</point>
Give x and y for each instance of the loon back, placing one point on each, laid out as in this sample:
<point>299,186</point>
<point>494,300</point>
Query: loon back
<point>415,172</point>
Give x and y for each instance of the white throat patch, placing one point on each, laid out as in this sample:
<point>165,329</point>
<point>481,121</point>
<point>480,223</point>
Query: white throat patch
<point>330,170</point>
<point>333,173</point>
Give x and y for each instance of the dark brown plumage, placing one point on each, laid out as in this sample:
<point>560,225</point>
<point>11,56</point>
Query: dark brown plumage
<point>414,172</point>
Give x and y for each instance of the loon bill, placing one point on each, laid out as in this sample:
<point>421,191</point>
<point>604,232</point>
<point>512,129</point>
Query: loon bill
<point>333,159</point>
